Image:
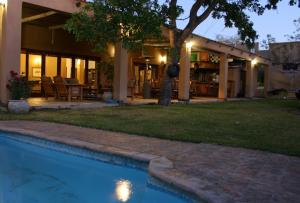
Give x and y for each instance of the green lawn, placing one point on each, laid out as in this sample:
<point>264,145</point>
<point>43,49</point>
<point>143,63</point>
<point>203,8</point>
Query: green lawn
<point>272,125</point>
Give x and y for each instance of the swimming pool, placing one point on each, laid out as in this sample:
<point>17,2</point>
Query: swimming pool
<point>39,171</point>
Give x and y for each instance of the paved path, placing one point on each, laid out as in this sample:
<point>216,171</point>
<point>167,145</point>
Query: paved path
<point>42,103</point>
<point>217,173</point>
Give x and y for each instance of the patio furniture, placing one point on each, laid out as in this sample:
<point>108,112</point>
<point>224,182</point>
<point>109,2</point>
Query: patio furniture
<point>155,88</point>
<point>61,90</point>
<point>90,92</point>
<point>35,87</point>
<point>68,88</point>
<point>47,87</point>
<point>58,79</point>
<point>193,88</point>
<point>75,90</point>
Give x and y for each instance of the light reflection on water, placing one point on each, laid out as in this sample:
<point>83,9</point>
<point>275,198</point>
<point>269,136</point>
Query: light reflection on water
<point>33,174</point>
<point>123,190</point>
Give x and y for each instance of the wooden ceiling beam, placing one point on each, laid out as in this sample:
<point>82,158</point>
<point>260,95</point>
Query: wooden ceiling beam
<point>39,16</point>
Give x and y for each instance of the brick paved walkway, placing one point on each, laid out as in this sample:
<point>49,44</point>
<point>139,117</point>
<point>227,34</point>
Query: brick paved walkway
<point>216,173</point>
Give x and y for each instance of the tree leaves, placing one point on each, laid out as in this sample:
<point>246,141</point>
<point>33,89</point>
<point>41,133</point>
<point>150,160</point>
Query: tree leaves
<point>101,22</point>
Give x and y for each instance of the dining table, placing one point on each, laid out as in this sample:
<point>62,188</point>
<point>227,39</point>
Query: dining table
<point>74,90</point>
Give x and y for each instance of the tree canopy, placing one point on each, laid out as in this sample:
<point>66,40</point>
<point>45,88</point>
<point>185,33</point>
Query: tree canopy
<point>296,34</point>
<point>109,21</point>
<point>134,21</point>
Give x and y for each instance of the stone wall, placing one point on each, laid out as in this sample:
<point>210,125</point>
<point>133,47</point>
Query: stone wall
<point>282,54</point>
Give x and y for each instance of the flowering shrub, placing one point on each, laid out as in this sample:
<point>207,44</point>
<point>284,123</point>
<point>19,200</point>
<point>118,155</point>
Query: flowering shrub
<point>18,86</point>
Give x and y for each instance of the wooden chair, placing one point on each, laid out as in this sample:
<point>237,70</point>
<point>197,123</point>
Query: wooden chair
<point>47,87</point>
<point>58,80</point>
<point>193,89</point>
<point>60,87</point>
<point>68,88</point>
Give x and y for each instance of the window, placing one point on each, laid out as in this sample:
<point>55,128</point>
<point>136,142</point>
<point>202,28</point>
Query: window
<point>66,67</point>
<point>51,66</point>
<point>80,67</point>
<point>34,69</point>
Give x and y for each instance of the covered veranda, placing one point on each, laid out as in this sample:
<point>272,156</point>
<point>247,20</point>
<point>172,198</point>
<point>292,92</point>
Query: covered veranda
<point>209,70</point>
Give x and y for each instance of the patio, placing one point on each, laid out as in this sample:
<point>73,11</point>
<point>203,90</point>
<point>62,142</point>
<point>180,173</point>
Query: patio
<point>39,103</point>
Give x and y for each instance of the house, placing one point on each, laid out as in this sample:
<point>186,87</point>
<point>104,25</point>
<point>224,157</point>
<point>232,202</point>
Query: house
<point>34,43</point>
<point>285,59</point>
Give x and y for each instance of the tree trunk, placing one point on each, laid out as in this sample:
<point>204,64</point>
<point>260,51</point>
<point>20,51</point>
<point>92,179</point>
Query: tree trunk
<point>166,91</point>
<point>174,57</point>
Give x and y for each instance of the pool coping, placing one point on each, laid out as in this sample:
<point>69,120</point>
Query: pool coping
<point>158,166</point>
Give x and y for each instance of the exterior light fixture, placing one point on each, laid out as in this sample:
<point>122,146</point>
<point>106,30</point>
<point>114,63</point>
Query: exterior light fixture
<point>2,2</point>
<point>37,61</point>
<point>163,59</point>
<point>254,61</point>
<point>112,51</point>
<point>189,45</point>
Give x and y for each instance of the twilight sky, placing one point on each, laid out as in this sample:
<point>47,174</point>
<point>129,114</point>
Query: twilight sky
<point>276,22</point>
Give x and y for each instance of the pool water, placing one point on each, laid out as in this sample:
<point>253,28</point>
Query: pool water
<point>33,174</point>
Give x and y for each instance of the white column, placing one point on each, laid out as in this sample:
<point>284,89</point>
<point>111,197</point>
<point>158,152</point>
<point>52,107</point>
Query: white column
<point>223,77</point>
<point>10,43</point>
<point>250,79</point>
<point>120,73</point>
<point>184,74</point>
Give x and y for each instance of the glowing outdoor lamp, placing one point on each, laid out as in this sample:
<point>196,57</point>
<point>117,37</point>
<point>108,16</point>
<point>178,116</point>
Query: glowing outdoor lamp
<point>37,61</point>
<point>2,2</point>
<point>189,45</point>
<point>254,61</point>
<point>163,59</point>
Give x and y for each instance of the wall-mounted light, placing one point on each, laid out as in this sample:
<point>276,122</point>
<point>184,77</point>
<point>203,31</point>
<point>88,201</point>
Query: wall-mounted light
<point>37,61</point>
<point>189,45</point>
<point>112,51</point>
<point>254,61</point>
<point>163,59</point>
<point>2,2</point>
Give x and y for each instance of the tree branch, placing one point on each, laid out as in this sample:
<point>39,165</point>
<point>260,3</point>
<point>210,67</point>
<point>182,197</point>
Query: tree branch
<point>195,20</point>
<point>173,5</point>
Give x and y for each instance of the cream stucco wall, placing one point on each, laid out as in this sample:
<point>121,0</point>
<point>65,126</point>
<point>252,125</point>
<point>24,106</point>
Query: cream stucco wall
<point>10,43</point>
<point>281,53</point>
<point>284,79</point>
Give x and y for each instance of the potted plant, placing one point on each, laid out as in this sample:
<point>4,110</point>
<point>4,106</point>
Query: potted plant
<point>19,91</point>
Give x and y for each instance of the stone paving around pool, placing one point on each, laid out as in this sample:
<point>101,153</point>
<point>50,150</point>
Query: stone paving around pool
<point>215,173</point>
